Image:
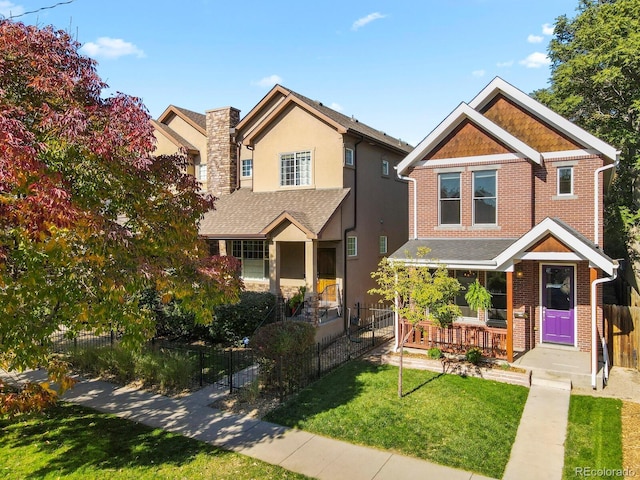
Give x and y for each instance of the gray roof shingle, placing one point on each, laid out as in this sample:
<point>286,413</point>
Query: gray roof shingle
<point>247,213</point>
<point>455,250</point>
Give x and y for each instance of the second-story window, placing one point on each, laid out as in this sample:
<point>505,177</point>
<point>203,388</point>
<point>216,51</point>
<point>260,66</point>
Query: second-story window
<point>484,197</point>
<point>295,169</point>
<point>565,181</point>
<point>385,168</point>
<point>352,246</point>
<point>247,168</point>
<point>382,244</point>
<point>349,159</point>
<point>449,202</point>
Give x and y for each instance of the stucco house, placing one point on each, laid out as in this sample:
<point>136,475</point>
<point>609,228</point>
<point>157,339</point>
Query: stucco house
<point>307,197</point>
<point>507,191</point>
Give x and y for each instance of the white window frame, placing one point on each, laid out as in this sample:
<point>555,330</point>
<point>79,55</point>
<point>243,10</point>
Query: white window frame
<point>385,168</point>
<point>570,168</point>
<point>299,171</point>
<point>352,246</point>
<point>474,198</point>
<point>246,166</point>
<point>383,243</point>
<point>349,157</point>
<point>252,256</point>
<point>459,199</point>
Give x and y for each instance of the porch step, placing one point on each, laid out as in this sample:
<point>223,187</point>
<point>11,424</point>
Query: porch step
<point>546,379</point>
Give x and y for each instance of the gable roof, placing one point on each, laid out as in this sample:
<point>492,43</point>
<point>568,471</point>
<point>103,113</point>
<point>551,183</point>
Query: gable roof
<point>342,123</point>
<point>173,136</point>
<point>195,119</point>
<point>248,214</point>
<point>473,113</point>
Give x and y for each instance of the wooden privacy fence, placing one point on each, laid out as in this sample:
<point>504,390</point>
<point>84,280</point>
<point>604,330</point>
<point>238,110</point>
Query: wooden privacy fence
<point>621,333</point>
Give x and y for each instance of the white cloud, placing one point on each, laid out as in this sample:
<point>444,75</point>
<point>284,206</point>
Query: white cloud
<point>269,81</point>
<point>336,106</point>
<point>508,63</point>
<point>478,73</point>
<point>534,39</point>
<point>361,22</point>
<point>111,48</point>
<point>536,60</point>
<point>8,9</point>
<point>547,29</point>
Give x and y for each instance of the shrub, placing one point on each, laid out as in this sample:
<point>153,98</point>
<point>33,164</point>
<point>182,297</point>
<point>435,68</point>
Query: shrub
<point>473,355</point>
<point>172,320</point>
<point>285,348</point>
<point>434,353</point>
<point>234,322</point>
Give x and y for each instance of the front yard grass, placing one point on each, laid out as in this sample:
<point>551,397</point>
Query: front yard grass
<point>466,423</point>
<point>73,442</point>
<point>594,438</point>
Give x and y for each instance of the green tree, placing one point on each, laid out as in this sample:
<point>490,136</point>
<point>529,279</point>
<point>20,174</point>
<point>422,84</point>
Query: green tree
<point>89,218</point>
<point>417,293</point>
<point>595,82</point>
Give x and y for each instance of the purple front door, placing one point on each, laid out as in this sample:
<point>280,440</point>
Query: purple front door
<point>558,309</point>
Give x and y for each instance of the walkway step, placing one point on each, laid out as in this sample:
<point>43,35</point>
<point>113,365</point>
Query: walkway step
<point>543,380</point>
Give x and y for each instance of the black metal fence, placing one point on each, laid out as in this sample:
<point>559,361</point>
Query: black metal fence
<point>234,368</point>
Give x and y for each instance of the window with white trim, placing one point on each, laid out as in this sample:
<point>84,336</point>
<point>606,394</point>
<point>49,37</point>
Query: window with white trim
<point>247,168</point>
<point>382,243</point>
<point>295,169</point>
<point>202,172</point>
<point>449,200</point>
<point>352,246</point>
<point>565,181</point>
<point>349,159</point>
<point>385,168</point>
<point>485,197</point>
<point>253,256</point>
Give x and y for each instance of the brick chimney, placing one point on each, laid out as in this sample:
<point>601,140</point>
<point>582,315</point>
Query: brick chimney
<point>222,155</point>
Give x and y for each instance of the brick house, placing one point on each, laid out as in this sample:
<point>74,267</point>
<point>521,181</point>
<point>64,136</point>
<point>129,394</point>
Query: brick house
<point>307,197</point>
<point>507,191</point>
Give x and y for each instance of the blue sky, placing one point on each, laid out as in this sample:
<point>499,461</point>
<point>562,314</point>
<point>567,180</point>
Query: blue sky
<point>399,66</point>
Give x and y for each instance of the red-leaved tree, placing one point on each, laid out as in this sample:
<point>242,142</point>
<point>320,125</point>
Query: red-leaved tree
<point>88,216</point>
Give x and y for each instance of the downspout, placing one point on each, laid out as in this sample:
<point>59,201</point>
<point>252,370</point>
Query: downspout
<point>596,196</point>
<point>594,333</point>
<point>415,201</point>
<point>351,228</point>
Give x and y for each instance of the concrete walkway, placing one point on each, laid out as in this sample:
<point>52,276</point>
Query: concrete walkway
<point>538,451</point>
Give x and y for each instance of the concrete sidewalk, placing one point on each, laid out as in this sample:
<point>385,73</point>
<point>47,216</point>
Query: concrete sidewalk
<point>295,450</point>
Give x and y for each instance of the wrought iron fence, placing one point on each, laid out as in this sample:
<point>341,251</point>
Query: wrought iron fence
<point>233,368</point>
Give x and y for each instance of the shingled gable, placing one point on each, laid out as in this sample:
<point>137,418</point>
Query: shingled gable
<point>460,114</point>
<point>473,113</point>
<point>282,98</point>
<point>581,248</point>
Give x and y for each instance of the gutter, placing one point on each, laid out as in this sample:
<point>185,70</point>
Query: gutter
<point>594,332</point>
<point>415,200</point>
<point>350,229</point>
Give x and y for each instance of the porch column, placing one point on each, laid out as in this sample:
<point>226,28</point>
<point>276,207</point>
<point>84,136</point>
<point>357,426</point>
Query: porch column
<point>510,316</point>
<point>274,267</point>
<point>311,266</point>
<point>593,276</point>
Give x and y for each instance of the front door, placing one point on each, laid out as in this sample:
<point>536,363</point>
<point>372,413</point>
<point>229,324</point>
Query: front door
<point>558,305</point>
<point>327,274</point>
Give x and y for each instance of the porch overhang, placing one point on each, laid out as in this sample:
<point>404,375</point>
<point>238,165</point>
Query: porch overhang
<point>290,218</point>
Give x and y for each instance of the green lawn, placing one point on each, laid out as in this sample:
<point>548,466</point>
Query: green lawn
<point>467,423</point>
<point>594,438</point>
<point>73,442</point>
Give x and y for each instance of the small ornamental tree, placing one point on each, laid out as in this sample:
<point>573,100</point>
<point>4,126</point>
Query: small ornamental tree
<point>89,219</point>
<point>418,293</point>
